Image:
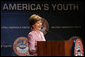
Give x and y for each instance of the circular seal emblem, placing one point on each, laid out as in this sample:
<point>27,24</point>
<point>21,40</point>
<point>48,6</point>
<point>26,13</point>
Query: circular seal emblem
<point>45,26</point>
<point>20,46</point>
<point>77,49</point>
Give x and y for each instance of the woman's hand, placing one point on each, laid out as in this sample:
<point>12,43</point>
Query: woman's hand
<point>33,52</point>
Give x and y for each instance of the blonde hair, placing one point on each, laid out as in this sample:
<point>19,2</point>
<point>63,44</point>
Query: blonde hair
<point>34,18</point>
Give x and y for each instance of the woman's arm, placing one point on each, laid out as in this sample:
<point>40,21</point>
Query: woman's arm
<point>32,48</point>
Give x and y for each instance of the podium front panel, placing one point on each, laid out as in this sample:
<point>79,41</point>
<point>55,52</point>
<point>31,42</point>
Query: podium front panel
<point>54,48</point>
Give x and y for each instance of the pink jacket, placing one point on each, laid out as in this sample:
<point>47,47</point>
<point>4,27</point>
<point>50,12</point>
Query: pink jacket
<point>33,37</point>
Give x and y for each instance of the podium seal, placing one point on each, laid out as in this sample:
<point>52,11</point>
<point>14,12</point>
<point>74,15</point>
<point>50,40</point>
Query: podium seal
<point>20,46</point>
<point>77,49</point>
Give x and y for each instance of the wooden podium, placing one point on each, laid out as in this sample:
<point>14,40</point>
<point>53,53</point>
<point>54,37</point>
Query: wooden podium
<point>55,48</point>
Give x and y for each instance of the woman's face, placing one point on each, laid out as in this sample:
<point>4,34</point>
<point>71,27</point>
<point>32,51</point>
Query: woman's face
<point>37,25</point>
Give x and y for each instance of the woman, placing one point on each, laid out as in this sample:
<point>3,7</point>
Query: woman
<point>35,35</point>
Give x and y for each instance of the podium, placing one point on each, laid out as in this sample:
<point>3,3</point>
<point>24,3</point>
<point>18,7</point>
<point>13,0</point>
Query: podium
<point>54,48</point>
